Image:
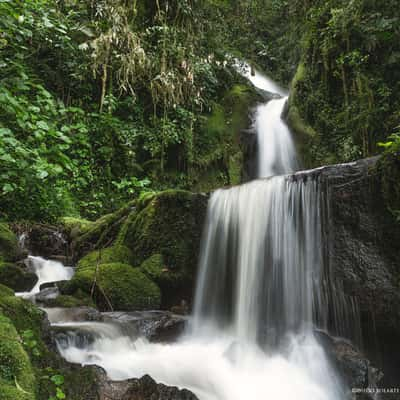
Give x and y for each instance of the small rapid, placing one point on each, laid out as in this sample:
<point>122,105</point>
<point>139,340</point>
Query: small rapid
<point>47,271</point>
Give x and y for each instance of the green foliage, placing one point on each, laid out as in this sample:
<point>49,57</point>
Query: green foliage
<point>101,101</point>
<point>348,91</point>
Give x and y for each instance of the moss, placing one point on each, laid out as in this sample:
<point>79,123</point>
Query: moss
<point>78,300</point>
<point>100,233</point>
<point>169,225</point>
<point>113,254</point>
<point>16,277</point>
<point>76,226</point>
<point>168,281</point>
<point>8,243</point>
<point>311,151</point>
<point>15,366</point>
<point>24,315</point>
<point>118,286</point>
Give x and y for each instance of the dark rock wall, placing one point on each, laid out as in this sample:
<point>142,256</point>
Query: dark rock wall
<point>362,240</point>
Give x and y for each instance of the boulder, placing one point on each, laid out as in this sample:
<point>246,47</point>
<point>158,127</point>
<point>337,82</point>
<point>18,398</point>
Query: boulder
<point>156,326</point>
<point>144,388</point>
<point>17,277</point>
<point>116,286</point>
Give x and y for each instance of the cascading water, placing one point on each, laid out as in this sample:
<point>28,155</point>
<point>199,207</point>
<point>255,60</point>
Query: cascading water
<point>257,296</point>
<point>46,271</point>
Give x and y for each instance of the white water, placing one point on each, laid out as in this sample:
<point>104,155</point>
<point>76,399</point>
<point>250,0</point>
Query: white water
<point>258,290</point>
<point>46,271</point>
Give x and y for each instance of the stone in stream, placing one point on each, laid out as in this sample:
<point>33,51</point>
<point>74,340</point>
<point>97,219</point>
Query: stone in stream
<point>156,326</point>
<point>144,388</point>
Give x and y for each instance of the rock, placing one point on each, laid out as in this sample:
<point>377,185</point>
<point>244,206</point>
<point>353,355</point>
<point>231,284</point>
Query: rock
<point>169,225</point>
<point>354,368</point>
<point>156,326</point>
<point>144,388</point>
<point>362,253</point>
<point>115,286</point>
<point>74,314</point>
<point>47,294</point>
<point>17,277</point>
<point>46,241</point>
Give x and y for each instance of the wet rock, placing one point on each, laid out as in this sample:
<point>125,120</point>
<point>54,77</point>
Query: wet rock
<point>362,252</point>
<point>73,314</point>
<point>353,366</point>
<point>47,294</point>
<point>147,388</point>
<point>156,326</point>
<point>144,388</point>
<point>47,241</point>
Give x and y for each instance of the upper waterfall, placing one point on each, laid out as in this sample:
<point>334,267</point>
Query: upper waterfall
<point>276,153</point>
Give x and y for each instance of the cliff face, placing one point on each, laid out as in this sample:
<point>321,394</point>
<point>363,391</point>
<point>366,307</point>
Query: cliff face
<point>362,252</point>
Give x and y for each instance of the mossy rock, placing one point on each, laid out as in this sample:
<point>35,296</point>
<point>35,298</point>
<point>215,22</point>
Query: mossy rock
<point>75,227</point>
<point>18,319</point>
<point>100,233</point>
<point>17,377</point>
<point>117,286</point>
<point>8,243</point>
<point>113,254</point>
<point>79,299</point>
<point>170,224</point>
<point>169,282</point>
<point>16,277</point>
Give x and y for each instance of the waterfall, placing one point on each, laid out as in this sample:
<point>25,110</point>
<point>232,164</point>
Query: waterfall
<point>260,261</point>
<point>260,290</point>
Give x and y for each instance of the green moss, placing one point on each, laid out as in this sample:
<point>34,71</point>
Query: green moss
<point>113,254</point>
<point>24,315</point>
<point>101,232</point>
<point>169,225</point>
<point>78,300</point>
<point>8,243</point>
<point>16,278</point>
<point>15,366</point>
<point>118,286</point>
<point>76,226</point>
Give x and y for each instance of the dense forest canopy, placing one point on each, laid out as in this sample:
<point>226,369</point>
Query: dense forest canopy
<point>101,100</point>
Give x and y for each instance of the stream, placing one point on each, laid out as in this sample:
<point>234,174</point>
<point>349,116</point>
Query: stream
<point>251,335</point>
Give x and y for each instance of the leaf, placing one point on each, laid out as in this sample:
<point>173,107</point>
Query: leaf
<point>57,380</point>
<point>42,125</point>
<point>60,394</point>
<point>42,174</point>
<point>7,188</point>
